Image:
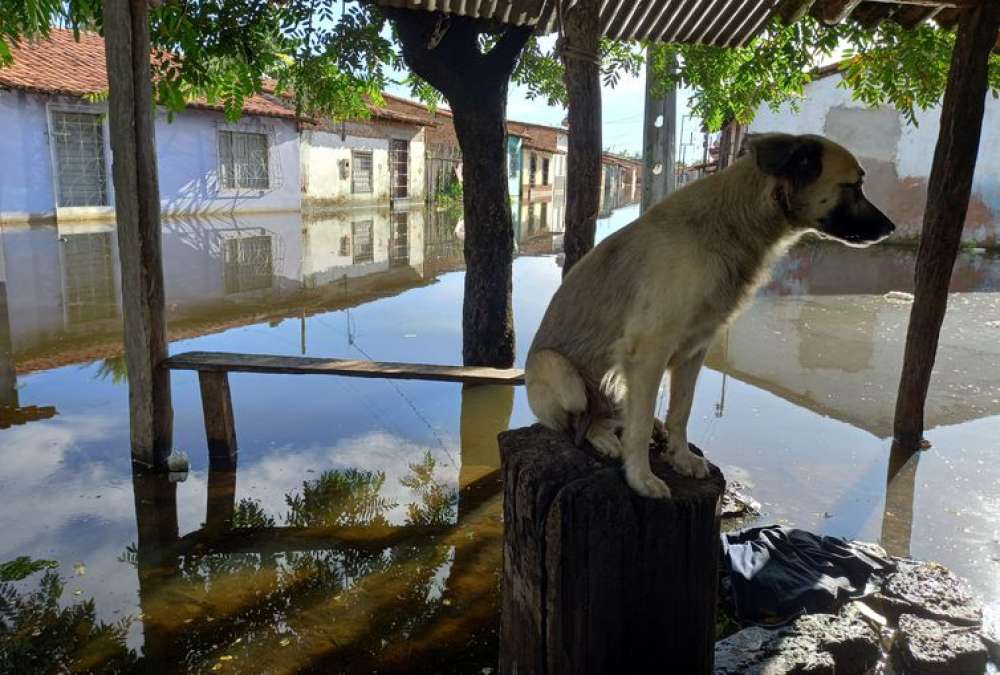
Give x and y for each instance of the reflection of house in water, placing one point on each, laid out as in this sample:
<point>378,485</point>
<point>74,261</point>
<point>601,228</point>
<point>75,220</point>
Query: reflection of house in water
<point>823,336</point>
<point>620,182</point>
<point>352,244</point>
<point>63,285</point>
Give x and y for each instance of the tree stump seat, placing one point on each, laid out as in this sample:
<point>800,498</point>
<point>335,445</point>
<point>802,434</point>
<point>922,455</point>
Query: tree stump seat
<point>598,579</point>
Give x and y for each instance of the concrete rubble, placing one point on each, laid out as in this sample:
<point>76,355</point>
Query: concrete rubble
<point>929,647</point>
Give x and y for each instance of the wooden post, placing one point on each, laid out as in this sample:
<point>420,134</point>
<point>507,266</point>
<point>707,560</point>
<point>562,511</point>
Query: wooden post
<point>220,425</point>
<point>948,190</point>
<point>658,143</point>
<point>583,161</point>
<point>137,208</point>
<point>596,578</point>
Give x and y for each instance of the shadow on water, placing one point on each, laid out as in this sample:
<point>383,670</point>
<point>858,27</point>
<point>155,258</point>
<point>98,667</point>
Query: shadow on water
<point>361,529</point>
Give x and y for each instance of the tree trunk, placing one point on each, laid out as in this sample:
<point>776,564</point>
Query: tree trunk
<point>948,190</point>
<point>583,161</point>
<point>487,311</point>
<point>444,50</point>
<point>596,578</point>
<point>137,209</point>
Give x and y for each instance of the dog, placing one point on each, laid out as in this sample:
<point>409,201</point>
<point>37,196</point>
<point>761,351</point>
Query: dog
<point>653,296</point>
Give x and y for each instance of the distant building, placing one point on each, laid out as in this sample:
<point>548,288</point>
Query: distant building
<point>896,155</point>
<point>57,156</point>
<point>365,162</point>
<point>620,180</point>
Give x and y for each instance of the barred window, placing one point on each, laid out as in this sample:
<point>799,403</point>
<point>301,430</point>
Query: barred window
<point>363,234</point>
<point>399,239</point>
<point>243,160</point>
<point>545,172</point>
<point>361,171</point>
<point>248,263</point>
<point>81,171</point>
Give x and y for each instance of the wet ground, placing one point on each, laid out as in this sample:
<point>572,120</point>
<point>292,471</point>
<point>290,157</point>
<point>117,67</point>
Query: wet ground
<point>138,572</point>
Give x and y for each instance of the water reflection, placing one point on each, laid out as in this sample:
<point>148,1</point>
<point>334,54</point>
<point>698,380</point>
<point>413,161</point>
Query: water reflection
<point>361,529</point>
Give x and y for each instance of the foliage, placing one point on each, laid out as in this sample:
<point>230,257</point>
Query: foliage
<point>540,70</point>
<point>449,197</point>
<point>887,65</point>
<point>22,567</point>
<point>345,498</point>
<point>437,503</point>
<point>113,367</point>
<point>39,636</point>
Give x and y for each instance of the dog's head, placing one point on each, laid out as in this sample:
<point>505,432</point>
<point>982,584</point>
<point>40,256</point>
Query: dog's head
<point>818,185</point>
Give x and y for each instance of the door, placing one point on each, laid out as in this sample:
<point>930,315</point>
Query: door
<point>399,162</point>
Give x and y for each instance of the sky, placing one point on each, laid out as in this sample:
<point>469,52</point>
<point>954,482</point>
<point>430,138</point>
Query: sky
<point>621,113</point>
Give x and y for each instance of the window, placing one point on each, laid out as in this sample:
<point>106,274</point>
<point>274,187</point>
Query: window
<point>399,244</point>
<point>361,171</point>
<point>399,163</point>
<point>363,234</point>
<point>81,171</point>
<point>248,263</point>
<point>532,168</point>
<point>243,160</point>
<point>89,277</point>
<point>545,171</point>
<point>543,217</point>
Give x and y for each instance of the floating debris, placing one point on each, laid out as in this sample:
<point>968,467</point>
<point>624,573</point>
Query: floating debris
<point>899,297</point>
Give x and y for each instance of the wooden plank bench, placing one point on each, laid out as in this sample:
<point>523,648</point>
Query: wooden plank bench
<point>214,368</point>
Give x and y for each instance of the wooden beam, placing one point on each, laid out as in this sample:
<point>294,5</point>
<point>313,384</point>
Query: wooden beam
<point>131,119</point>
<point>948,17</point>
<point>217,407</point>
<point>658,143</point>
<point>583,162</point>
<point>833,12</point>
<point>948,191</point>
<point>871,14</point>
<point>225,362</point>
<point>791,11</point>
<point>911,16</point>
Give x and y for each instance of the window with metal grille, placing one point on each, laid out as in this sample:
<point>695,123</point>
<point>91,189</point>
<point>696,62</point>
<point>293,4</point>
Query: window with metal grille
<point>89,277</point>
<point>363,234</point>
<point>399,240</point>
<point>533,167</point>
<point>248,263</point>
<point>545,172</point>
<point>81,171</point>
<point>361,171</point>
<point>399,160</point>
<point>243,160</point>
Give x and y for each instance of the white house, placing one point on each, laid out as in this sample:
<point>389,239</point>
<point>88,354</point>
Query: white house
<point>57,157</point>
<point>364,162</point>
<point>896,155</point>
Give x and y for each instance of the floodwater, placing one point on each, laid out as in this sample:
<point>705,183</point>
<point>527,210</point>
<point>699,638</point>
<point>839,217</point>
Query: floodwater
<point>360,531</point>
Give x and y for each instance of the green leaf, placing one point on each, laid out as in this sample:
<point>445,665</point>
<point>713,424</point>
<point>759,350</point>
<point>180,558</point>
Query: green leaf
<point>23,566</point>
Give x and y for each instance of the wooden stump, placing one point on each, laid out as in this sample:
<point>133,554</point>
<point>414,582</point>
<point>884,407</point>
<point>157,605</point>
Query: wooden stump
<point>596,578</point>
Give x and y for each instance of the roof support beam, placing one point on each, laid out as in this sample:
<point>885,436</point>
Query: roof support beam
<point>583,162</point>
<point>137,206</point>
<point>833,12</point>
<point>949,189</point>
<point>791,11</point>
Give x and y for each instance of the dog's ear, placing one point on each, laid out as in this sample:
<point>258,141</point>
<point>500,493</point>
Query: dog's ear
<point>796,158</point>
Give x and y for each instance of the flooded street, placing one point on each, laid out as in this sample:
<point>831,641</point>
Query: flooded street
<point>796,401</point>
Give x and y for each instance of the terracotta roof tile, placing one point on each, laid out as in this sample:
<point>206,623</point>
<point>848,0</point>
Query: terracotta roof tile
<point>61,65</point>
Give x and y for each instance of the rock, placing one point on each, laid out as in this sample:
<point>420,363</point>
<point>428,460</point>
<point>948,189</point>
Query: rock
<point>929,647</point>
<point>736,503</point>
<point>929,590</point>
<point>817,644</point>
<point>990,632</point>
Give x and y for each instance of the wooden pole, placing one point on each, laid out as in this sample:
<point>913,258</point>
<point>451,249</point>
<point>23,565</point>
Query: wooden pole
<point>137,207</point>
<point>948,190</point>
<point>582,28</point>
<point>597,579</point>
<point>658,143</point>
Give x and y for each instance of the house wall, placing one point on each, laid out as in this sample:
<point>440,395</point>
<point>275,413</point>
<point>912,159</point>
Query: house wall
<point>187,157</point>
<point>326,163</point>
<point>896,156</point>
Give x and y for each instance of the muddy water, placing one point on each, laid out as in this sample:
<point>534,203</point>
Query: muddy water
<point>139,572</point>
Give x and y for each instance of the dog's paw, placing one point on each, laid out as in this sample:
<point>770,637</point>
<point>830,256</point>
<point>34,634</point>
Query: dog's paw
<point>686,463</point>
<point>646,484</point>
<point>605,442</point>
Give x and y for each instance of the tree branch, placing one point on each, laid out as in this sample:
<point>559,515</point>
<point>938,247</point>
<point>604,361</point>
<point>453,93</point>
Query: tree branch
<point>503,57</point>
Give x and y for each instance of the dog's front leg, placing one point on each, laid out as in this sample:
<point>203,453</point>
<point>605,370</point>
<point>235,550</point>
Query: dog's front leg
<point>683,377</point>
<point>643,372</point>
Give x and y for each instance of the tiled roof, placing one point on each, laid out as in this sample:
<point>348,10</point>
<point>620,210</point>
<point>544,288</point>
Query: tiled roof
<point>61,65</point>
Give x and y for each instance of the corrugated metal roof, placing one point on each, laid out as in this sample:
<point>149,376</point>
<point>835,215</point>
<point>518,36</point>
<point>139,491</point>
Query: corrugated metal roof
<point>729,23</point>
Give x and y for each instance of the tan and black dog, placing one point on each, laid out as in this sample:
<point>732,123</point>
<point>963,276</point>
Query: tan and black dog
<point>652,296</point>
